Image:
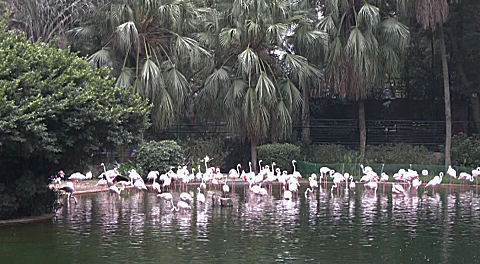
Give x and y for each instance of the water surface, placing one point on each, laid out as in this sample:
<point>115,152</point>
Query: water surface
<point>352,227</point>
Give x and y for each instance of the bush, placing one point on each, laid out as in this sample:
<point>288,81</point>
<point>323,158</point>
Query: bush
<point>466,150</point>
<point>196,149</point>
<point>281,154</point>
<point>397,154</point>
<point>329,153</point>
<point>158,155</point>
<point>55,110</point>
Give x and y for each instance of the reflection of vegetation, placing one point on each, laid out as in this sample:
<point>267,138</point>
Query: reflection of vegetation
<point>54,112</point>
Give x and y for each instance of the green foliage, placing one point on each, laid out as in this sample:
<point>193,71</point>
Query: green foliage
<point>196,149</point>
<point>158,155</point>
<point>329,153</point>
<point>280,153</point>
<point>466,150</point>
<point>399,153</point>
<point>54,112</point>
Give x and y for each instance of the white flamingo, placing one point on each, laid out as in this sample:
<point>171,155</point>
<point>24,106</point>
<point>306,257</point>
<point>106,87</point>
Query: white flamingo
<point>181,205</point>
<point>295,173</point>
<point>200,196</point>
<point>435,181</point>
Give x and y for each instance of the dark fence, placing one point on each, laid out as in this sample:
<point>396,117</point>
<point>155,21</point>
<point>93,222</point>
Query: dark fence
<point>342,131</point>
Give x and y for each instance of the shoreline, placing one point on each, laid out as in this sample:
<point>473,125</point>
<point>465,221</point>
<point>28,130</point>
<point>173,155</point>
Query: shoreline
<point>26,220</point>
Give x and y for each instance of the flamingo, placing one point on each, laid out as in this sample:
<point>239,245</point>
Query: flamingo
<point>435,181</point>
<point>166,196</point>
<point>295,173</point>
<point>451,172</point>
<point>152,175</point>
<point>352,183</point>
<point>225,187</point>
<point>181,205</point>
<point>186,196</point>
<point>115,190</point>
<point>139,185</point>
<point>69,188</point>
<point>416,183</point>
<point>309,190</point>
<point>287,195</point>
<point>200,196</point>
<point>323,174</point>
<point>313,181</point>
<point>398,189</point>
<point>156,186</point>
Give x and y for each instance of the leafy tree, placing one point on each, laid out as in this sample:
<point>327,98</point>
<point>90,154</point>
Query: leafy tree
<point>257,75</point>
<point>149,46</point>
<point>54,112</point>
<point>367,42</point>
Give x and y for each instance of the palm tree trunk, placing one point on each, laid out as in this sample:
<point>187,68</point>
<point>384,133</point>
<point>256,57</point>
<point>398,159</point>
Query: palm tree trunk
<point>446,90</point>
<point>253,154</point>
<point>362,127</point>
<point>306,115</point>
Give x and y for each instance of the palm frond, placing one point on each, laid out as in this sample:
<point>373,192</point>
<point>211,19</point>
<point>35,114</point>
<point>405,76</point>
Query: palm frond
<point>151,79</point>
<point>369,15</point>
<point>216,81</point>
<point>125,79</point>
<point>228,36</point>
<point>248,62</point>
<point>327,24</point>
<point>276,33</point>
<point>252,29</point>
<point>101,58</point>
<point>265,88</point>
<point>127,34</point>
<point>395,33</point>
<point>177,85</point>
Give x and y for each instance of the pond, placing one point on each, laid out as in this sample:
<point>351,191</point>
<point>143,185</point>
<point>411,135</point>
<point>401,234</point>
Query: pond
<point>353,227</point>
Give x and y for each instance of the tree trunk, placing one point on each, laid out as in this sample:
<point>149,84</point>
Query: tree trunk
<point>253,154</point>
<point>362,127</point>
<point>446,90</point>
<point>306,114</point>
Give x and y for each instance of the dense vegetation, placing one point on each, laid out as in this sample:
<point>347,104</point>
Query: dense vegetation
<point>55,111</point>
<point>255,65</point>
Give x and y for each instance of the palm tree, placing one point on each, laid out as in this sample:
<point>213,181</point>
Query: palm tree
<point>257,73</point>
<point>432,14</point>
<point>149,45</point>
<point>366,44</point>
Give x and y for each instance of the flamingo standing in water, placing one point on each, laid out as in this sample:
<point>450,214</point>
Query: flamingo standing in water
<point>435,181</point>
<point>69,188</point>
<point>200,196</point>
<point>181,205</point>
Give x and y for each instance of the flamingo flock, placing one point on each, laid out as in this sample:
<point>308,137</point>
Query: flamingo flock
<point>259,184</point>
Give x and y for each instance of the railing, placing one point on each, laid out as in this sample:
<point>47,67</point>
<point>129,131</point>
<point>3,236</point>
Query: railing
<point>342,131</point>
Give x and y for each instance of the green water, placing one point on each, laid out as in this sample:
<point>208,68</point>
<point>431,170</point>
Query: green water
<point>360,227</point>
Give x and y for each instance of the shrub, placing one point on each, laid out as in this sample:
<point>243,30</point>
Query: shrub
<point>281,154</point>
<point>397,154</point>
<point>466,150</point>
<point>55,110</point>
<point>158,155</point>
<point>329,153</point>
<point>196,149</point>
